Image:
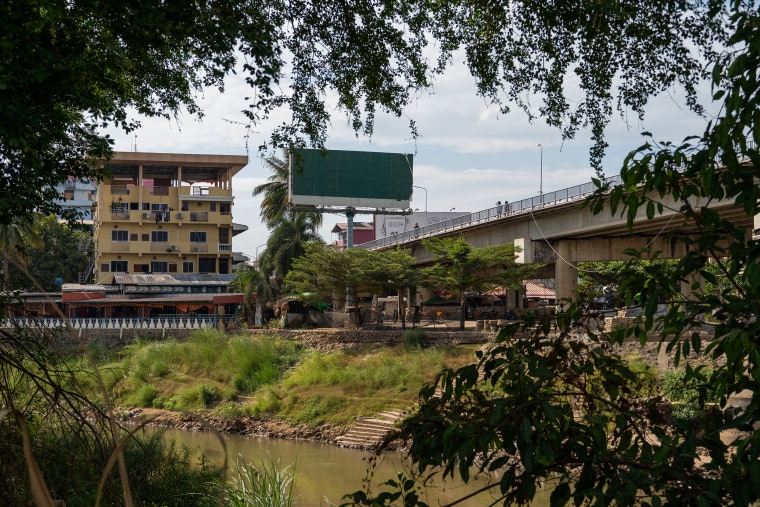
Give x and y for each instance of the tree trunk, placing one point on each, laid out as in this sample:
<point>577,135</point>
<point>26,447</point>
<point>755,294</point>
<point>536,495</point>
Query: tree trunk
<point>462,301</point>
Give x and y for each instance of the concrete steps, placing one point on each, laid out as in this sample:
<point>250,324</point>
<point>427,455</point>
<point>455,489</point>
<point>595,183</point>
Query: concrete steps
<point>369,432</point>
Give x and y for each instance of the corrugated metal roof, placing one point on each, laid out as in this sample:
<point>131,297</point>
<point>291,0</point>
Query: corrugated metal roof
<point>93,287</point>
<point>536,290</point>
<point>171,279</point>
<point>231,297</point>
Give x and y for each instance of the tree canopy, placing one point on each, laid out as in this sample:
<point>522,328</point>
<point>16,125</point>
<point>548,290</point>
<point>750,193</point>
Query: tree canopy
<point>70,69</point>
<point>566,409</point>
<point>460,268</point>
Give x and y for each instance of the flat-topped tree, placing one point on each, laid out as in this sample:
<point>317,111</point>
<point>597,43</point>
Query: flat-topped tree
<point>460,268</point>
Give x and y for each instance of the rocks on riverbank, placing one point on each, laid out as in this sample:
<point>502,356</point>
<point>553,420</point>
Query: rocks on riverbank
<point>247,425</point>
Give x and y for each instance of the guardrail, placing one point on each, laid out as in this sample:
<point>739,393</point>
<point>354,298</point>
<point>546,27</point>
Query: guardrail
<point>576,193</point>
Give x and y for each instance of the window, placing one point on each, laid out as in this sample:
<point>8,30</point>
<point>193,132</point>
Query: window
<point>119,235</point>
<point>159,236</point>
<point>185,206</point>
<point>212,206</point>
<point>119,267</point>
<point>188,267</point>
<point>197,237</point>
<point>159,267</point>
<point>207,265</point>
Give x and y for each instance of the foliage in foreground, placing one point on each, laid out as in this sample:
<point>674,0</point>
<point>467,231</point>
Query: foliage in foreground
<point>264,485</point>
<point>72,462</point>
<point>537,416</point>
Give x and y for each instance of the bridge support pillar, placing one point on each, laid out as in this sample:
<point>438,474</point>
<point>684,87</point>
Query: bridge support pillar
<point>565,272</point>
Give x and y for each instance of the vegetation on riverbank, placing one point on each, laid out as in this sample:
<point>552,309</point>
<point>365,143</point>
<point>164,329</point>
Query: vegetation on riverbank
<point>241,375</point>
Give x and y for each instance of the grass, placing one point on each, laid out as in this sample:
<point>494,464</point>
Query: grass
<point>336,387</point>
<point>265,376</point>
<point>266,485</point>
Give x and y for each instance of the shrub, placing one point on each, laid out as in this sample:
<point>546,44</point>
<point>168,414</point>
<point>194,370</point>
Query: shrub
<point>413,338</point>
<point>208,395</point>
<point>144,396</point>
<point>267,485</point>
<point>685,394</point>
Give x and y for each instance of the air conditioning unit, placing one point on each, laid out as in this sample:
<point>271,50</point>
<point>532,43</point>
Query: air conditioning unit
<point>146,215</point>
<point>196,249</point>
<point>179,216</point>
<point>174,248</point>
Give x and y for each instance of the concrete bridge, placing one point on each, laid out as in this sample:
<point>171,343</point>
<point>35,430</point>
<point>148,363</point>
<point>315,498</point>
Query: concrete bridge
<point>554,229</point>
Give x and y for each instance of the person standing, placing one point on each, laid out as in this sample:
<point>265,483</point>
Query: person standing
<point>498,208</point>
<point>507,207</point>
<point>416,229</point>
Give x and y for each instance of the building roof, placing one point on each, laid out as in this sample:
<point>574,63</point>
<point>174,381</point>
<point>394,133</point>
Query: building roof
<point>78,184</point>
<point>194,166</point>
<point>91,287</point>
<point>171,279</point>
<point>216,299</point>
<point>536,290</point>
<point>358,226</point>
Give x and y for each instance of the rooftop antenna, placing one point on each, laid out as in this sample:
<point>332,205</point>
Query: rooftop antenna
<point>248,130</point>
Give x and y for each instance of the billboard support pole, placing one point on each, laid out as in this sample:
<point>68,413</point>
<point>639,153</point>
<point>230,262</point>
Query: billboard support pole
<point>350,244</point>
<point>349,227</point>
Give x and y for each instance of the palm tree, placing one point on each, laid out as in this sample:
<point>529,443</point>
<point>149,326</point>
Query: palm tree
<point>288,241</point>
<point>274,205</point>
<point>251,280</point>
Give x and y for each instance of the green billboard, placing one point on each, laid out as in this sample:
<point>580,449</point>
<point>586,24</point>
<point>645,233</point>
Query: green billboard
<point>359,179</point>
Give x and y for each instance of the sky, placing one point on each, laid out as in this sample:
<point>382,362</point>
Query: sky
<point>467,155</point>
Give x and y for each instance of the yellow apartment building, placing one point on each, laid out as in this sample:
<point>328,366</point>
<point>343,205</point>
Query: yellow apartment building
<point>165,213</point>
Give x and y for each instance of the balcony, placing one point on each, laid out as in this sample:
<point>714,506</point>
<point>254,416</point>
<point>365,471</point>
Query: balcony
<point>119,214</point>
<point>120,246</point>
<point>225,247</point>
<point>162,246</point>
<point>199,216</point>
<point>199,247</point>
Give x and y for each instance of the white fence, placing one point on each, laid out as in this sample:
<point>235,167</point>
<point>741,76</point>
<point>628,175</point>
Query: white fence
<point>115,323</point>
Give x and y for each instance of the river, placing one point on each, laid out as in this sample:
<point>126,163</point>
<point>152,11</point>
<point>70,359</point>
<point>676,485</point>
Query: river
<point>324,472</point>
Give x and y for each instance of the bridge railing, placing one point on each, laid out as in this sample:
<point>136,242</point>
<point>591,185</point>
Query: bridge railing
<point>558,197</point>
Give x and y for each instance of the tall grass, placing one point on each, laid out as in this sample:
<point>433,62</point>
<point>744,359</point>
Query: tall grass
<point>266,485</point>
<point>235,375</point>
<point>208,368</point>
<point>336,387</point>
<point>66,462</point>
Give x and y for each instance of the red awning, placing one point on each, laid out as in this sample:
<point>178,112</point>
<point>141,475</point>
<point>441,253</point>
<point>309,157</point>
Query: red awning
<point>225,299</point>
<point>81,296</point>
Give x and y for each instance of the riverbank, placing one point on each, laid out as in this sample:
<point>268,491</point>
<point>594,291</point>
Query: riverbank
<point>246,425</point>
